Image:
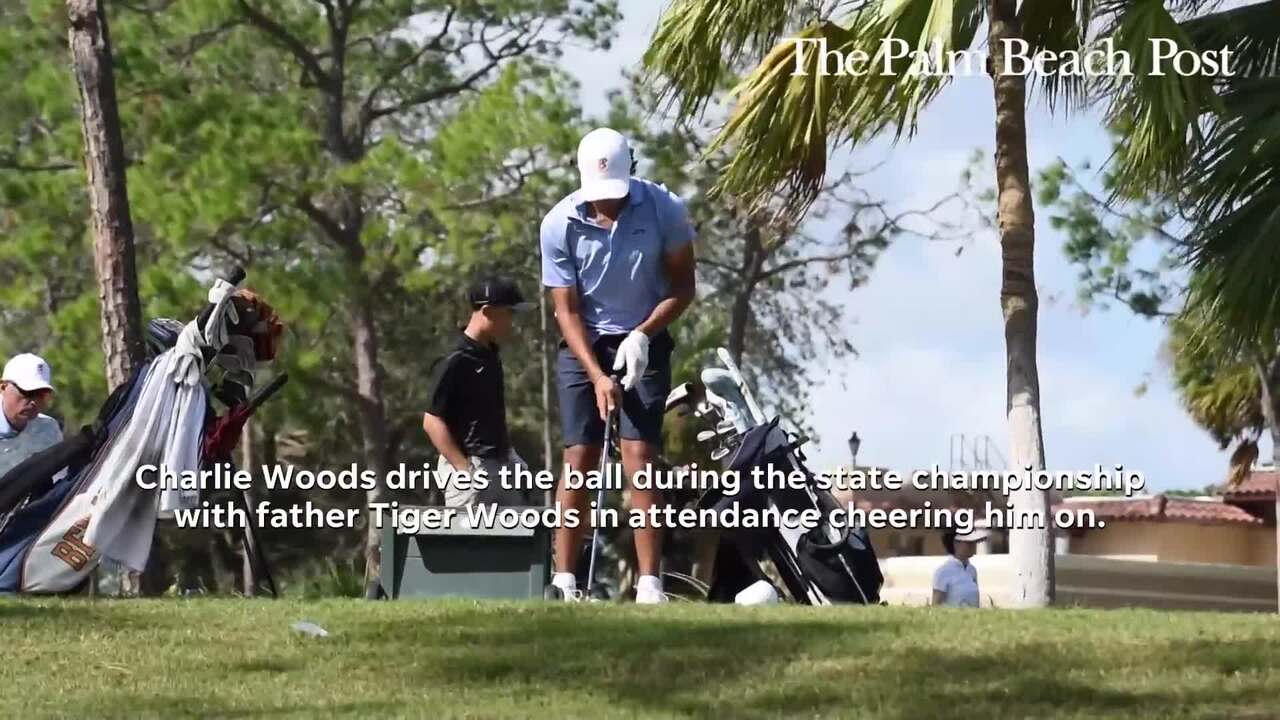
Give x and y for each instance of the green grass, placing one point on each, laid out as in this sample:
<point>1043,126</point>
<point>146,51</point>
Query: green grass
<point>238,658</point>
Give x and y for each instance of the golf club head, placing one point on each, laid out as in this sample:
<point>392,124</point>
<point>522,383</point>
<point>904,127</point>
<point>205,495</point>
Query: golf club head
<point>707,435</point>
<point>719,453</point>
<point>722,391</point>
<point>681,396</point>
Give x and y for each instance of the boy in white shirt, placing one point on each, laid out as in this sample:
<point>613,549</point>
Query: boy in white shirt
<point>955,582</point>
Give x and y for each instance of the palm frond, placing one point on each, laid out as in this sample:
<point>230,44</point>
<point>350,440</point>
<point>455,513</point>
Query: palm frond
<point>1234,185</point>
<point>1242,459</point>
<point>699,42</point>
<point>780,124</point>
<point>791,109</point>
<point>1160,113</point>
<point>1251,33</point>
<point>938,26</point>
<point>1058,26</point>
<point>1215,380</point>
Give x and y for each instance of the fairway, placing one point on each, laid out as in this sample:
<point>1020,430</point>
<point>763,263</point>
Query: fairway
<point>238,658</point>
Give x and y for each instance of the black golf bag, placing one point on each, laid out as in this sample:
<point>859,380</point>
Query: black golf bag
<point>821,565</point>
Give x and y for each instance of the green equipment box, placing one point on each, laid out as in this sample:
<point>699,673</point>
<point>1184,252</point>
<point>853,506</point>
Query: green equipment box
<point>463,561</point>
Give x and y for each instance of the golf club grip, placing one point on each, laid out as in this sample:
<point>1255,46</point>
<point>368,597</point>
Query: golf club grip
<point>615,376</point>
<point>236,276</point>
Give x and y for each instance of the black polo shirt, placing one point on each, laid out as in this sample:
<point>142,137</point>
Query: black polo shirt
<point>466,392</point>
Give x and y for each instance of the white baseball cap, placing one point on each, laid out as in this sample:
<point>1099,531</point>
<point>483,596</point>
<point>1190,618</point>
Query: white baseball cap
<point>976,535</point>
<point>604,165</point>
<point>29,372</point>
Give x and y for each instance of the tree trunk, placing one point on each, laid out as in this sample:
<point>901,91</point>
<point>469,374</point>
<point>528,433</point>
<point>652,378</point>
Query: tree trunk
<point>373,426</point>
<point>739,315</point>
<point>113,252</point>
<point>753,258</point>
<point>1269,379</point>
<point>1030,536</point>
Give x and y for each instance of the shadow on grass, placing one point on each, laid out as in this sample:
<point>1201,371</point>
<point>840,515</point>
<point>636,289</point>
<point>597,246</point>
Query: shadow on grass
<point>115,614</point>
<point>207,707</point>
<point>640,662</point>
<point>1050,678</point>
<point>11,610</point>
<point>783,665</point>
<point>518,660</point>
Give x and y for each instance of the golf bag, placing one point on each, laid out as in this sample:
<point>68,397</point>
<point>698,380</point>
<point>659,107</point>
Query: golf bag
<point>65,509</point>
<point>818,565</point>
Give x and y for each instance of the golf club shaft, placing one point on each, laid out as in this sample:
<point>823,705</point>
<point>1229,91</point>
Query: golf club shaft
<point>604,469</point>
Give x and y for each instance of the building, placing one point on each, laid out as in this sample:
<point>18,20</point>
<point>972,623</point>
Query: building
<point>1161,528</point>
<point>1256,494</point>
<point>894,542</point>
<point>1161,551</point>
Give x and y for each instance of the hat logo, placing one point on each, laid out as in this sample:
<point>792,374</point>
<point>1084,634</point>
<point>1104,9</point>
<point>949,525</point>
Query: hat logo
<point>603,165</point>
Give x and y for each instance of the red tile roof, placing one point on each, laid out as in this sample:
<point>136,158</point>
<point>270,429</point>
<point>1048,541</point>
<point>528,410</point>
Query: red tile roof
<point>1258,485</point>
<point>1162,508</point>
<point>907,503</point>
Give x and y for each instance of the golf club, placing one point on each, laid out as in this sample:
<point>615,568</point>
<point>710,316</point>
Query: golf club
<point>721,431</point>
<point>605,452</point>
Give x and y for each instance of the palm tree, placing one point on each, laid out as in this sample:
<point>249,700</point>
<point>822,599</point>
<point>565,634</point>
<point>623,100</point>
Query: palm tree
<point>1226,175</point>
<point>791,106</point>
<point>1220,387</point>
<point>1213,150</point>
<point>784,121</point>
<point>1231,181</point>
<point>1218,158</point>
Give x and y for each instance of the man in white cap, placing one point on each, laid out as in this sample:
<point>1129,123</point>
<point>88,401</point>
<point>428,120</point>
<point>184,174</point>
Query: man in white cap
<point>955,582</point>
<point>25,390</point>
<point>617,257</point>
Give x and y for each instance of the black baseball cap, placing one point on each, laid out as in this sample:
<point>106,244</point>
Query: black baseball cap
<point>499,291</point>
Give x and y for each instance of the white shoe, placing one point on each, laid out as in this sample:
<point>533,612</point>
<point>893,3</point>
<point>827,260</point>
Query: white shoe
<point>649,591</point>
<point>568,586</point>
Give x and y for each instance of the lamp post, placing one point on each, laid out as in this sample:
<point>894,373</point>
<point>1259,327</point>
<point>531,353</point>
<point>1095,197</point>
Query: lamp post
<point>854,443</point>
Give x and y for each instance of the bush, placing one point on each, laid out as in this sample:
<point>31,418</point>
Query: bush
<point>325,579</point>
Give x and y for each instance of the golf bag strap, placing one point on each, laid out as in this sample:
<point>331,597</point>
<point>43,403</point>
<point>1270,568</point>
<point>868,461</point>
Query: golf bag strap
<point>36,472</point>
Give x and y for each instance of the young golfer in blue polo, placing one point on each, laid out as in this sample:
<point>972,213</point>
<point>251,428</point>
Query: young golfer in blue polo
<point>618,261</point>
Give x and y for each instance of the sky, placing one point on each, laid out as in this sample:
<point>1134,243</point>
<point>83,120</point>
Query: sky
<point>928,327</point>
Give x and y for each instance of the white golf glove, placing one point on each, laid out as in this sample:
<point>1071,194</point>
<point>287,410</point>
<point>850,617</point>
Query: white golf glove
<point>633,355</point>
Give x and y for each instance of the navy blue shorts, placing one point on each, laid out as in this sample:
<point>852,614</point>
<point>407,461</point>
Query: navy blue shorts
<point>642,407</point>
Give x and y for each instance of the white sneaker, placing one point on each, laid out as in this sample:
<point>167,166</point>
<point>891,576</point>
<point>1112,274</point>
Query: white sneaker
<point>649,591</point>
<point>568,585</point>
